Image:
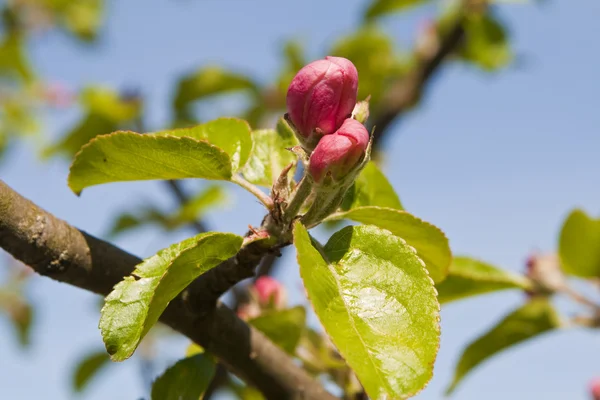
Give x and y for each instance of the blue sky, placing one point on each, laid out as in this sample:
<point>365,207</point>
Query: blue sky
<point>495,160</point>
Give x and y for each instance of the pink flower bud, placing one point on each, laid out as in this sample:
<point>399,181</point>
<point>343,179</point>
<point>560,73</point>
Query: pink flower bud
<point>321,96</point>
<point>269,291</point>
<point>336,155</point>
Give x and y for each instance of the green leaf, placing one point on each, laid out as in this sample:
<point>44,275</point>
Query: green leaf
<point>429,241</point>
<point>283,327</point>
<point>84,18</point>
<point>579,245</point>
<point>269,155</point>
<point>371,188</point>
<point>469,277</point>
<point>128,156</point>
<point>186,379</point>
<point>486,43</point>
<point>87,368</point>
<point>13,58</point>
<point>206,82</point>
<point>377,303</point>
<point>534,318</point>
<point>231,135</point>
<point>380,8</point>
<point>136,303</point>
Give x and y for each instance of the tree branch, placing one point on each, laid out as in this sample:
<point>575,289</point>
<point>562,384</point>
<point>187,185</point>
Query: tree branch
<point>405,93</point>
<point>55,249</point>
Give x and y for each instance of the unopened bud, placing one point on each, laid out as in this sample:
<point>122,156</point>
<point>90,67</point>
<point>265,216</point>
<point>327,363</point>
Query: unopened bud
<point>321,96</point>
<point>270,292</point>
<point>545,273</point>
<point>336,155</point>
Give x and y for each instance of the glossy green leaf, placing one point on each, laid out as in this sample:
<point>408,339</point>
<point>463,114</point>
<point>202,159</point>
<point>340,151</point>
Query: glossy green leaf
<point>429,241</point>
<point>470,277</point>
<point>380,8</point>
<point>136,303</point>
<point>534,318</point>
<point>269,155</point>
<point>377,303</point>
<point>232,135</point>
<point>87,368</point>
<point>486,43</point>
<point>371,188</point>
<point>186,379</point>
<point>128,156</point>
<point>283,327</point>
<point>579,245</point>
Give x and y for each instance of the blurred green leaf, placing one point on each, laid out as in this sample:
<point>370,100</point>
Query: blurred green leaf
<point>372,52</point>
<point>206,82</point>
<point>579,245</point>
<point>13,60</point>
<point>87,368</point>
<point>470,277</point>
<point>429,241</point>
<point>283,327</point>
<point>371,188</point>
<point>136,303</point>
<point>19,312</point>
<point>486,43</point>
<point>534,318</point>
<point>380,8</point>
<point>185,380</point>
<point>84,18</point>
<point>197,206</point>
<point>377,303</point>
<point>105,112</point>
<point>269,155</point>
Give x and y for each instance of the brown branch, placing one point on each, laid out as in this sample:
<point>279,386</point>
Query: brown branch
<point>405,93</point>
<point>55,249</point>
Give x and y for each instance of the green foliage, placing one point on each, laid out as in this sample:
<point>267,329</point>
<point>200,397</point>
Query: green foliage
<point>429,241</point>
<point>207,82</point>
<point>136,303</point>
<point>579,245</point>
<point>87,368</point>
<point>270,154</point>
<point>13,60</point>
<point>380,8</point>
<point>105,111</point>
<point>373,54</point>
<point>186,379</point>
<point>377,303</point>
<point>534,318</point>
<point>172,154</point>
<point>371,188</point>
<point>486,43</point>
<point>469,277</point>
<point>283,327</point>
<point>195,208</point>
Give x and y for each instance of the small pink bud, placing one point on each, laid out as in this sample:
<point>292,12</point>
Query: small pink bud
<point>545,273</point>
<point>337,154</point>
<point>595,388</point>
<point>269,291</point>
<point>321,96</point>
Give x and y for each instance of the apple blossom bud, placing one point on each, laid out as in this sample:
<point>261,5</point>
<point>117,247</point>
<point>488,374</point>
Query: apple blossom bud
<point>270,292</point>
<point>336,155</point>
<point>545,273</point>
<point>321,96</point>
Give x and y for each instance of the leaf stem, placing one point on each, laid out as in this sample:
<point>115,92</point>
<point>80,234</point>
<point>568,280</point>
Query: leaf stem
<point>260,195</point>
<point>302,191</point>
<point>580,298</point>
